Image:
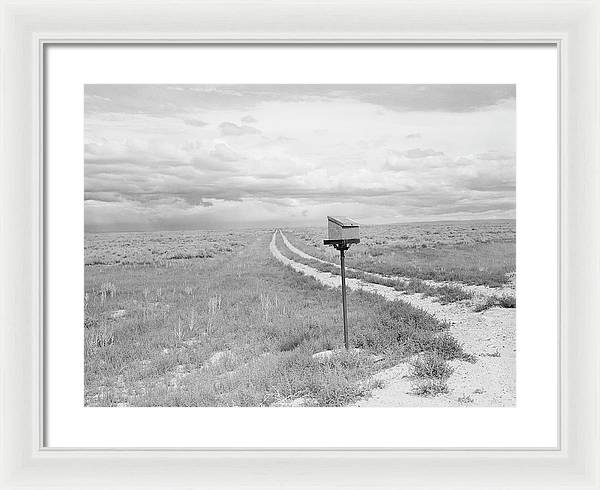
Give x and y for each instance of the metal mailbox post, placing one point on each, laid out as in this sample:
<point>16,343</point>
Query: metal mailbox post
<point>342,232</point>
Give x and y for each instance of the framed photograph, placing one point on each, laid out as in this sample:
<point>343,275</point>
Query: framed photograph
<point>246,246</point>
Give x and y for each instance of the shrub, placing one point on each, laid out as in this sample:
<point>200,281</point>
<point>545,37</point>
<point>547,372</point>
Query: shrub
<point>445,294</point>
<point>504,301</point>
<point>430,387</point>
<point>507,301</point>
<point>465,399</point>
<point>431,365</point>
<point>339,391</point>
<point>416,331</point>
<point>449,348</point>
<point>398,313</point>
<point>449,294</point>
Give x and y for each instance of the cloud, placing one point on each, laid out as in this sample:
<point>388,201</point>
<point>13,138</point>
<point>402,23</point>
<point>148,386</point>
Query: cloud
<point>430,182</point>
<point>414,158</point>
<point>194,199</point>
<point>214,90</point>
<point>152,161</point>
<point>285,139</point>
<point>163,100</point>
<point>110,196</point>
<point>487,183</point>
<point>417,161</point>
<point>195,122</point>
<point>419,153</point>
<point>494,155</point>
<point>232,129</point>
<point>90,98</point>
<point>133,151</point>
<point>440,98</point>
<point>209,163</point>
<point>224,153</point>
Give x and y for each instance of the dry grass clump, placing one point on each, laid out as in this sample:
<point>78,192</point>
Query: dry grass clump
<point>107,289</point>
<point>431,365</point>
<point>431,372</point>
<point>101,335</point>
<point>430,387</point>
<point>444,294</point>
<point>504,301</point>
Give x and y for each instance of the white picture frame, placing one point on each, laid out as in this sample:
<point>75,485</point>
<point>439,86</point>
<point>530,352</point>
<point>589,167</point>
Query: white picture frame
<point>574,27</point>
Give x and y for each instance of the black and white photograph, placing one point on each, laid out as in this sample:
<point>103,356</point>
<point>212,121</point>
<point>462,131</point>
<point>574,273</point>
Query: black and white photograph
<point>309,245</point>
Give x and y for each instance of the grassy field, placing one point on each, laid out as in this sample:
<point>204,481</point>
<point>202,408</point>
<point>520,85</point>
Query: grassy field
<point>160,248</point>
<point>471,252</point>
<point>211,319</point>
<point>444,294</point>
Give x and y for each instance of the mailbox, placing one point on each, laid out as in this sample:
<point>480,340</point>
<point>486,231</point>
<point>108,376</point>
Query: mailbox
<point>342,232</point>
<point>342,229</point>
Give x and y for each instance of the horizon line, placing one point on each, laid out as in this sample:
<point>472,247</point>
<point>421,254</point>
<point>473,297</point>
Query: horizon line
<point>301,226</point>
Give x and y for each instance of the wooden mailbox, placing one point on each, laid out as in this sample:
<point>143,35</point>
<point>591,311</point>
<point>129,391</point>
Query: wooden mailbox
<point>342,230</point>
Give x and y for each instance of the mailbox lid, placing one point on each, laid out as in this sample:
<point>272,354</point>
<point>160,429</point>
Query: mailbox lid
<point>342,221</point>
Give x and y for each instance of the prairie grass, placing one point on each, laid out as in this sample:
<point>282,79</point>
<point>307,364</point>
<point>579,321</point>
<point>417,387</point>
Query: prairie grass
<point>430,371</point>
<point>160,248</point>
<point>503,301</point>
<point>430,387</point>
<point>239,330</point>
<point>444,294</point>
<point>471,252</point>
<point>431,365</point>
<point>466,399</point>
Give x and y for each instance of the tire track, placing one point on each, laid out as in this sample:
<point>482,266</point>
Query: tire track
<point>480,290</point>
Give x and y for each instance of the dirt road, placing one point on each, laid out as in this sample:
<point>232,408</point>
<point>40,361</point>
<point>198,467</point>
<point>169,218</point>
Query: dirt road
<point>480,290</point>
<point>489,335</point>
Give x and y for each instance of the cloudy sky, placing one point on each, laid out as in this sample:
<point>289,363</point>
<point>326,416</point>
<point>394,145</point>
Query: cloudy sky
<point>170,157</point>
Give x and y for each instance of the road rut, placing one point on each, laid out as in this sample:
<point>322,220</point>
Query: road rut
<point>479,290</point>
